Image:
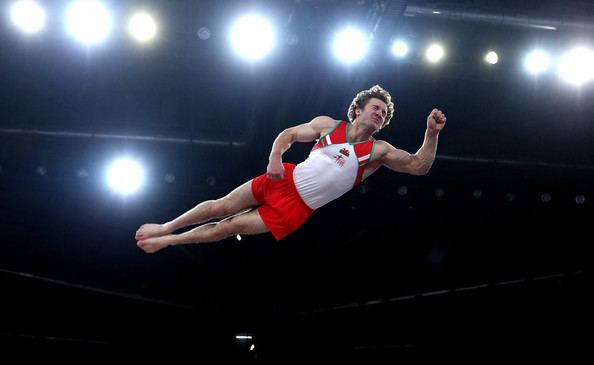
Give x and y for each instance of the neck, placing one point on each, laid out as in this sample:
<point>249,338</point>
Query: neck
<point>359,133</point>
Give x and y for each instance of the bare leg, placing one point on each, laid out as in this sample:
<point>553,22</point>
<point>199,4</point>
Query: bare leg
<point>246,223</point>
<point>236,201</point>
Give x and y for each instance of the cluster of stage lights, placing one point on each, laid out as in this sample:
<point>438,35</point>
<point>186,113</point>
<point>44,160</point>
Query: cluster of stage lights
<point>87,21</point>
<point>253,38</point>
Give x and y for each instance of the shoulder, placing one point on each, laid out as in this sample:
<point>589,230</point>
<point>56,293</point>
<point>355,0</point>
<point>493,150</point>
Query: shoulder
<point>382,147</point>
<point>323,121</point>
<point>323,124</point>
<point>382,150</point>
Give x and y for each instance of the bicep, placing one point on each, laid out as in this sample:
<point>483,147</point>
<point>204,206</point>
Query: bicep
<point>398,160</point>
<point>310,131</point>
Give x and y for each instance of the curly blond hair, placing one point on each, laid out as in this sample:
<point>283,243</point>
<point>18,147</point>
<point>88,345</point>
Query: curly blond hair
<point>363,97</point>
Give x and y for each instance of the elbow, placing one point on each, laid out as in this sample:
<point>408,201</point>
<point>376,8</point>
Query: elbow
<point>424,170</point>
<point>289,135</point>
<point>421,167</point>
<point>419,172</point>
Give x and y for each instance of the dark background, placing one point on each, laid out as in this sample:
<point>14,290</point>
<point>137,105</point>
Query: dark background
<point>485,256</point>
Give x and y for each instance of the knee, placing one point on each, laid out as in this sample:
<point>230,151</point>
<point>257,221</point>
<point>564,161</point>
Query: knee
<point>226,228</point>
<point>220,208</point>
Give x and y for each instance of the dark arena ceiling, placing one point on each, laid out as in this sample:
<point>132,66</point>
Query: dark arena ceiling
<point>484,256</point>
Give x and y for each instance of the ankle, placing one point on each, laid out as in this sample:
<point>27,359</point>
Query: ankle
<point>168,227</point>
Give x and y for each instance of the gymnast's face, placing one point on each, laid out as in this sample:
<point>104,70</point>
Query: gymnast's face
<point>373,114</point>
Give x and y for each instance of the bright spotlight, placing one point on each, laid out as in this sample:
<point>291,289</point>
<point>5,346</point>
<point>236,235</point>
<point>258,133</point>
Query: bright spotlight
<point>434,53</point>
<point>142,27</point>
<point>350,46</point>
<point>491,57</point>
<point>537,61</point>
<point>577,66</point>
<point>88,21</point>
<point>399,49</point>
<point>252,37</point>
<point>28,16</point>
<point>125,176</point>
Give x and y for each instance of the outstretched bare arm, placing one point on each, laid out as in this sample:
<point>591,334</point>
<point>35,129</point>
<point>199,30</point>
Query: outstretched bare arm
<point>306,132</point>
<point>419,163</point>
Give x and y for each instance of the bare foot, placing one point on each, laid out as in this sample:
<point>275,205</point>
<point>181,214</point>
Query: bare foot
<point>151,230</point>
<point>152,245</point>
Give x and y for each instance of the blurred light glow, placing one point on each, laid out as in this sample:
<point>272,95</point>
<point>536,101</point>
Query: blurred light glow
<point>204,33</point>
<point>169,177</point>
<point>580,199</point>
<point>28,16</point>
<point>577,66</point>
<point>350,46</point>
<point>399,48</point>
<point>88,21</point>
<point>537,62</point>
<point>434,53</point>
<point>491,57</point>
<point>252,37</point>
<point>125,176</point>
<point>82,173</point>
<point>142,27</point>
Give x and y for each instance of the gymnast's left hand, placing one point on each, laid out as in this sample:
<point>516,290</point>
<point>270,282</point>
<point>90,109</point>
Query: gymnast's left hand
<point>436,121</point>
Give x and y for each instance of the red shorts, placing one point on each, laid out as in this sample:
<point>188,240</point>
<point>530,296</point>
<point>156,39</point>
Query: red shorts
<point>281,207</point>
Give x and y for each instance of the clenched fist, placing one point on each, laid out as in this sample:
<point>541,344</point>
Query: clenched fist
<point>436,120</point>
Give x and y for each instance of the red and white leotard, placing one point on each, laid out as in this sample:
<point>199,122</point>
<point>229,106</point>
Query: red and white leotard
<point>334,166</point>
